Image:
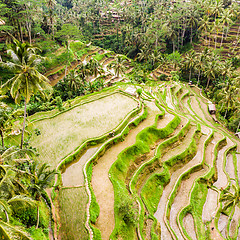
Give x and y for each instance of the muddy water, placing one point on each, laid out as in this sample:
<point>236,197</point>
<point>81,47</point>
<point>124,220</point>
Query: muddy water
<point>188,224</point>
<point>160,213</point>
<point>238,166</point>
<point>169,99</point>
<point>101,184</point>
<point>182,198</point>
<point>210,206</point>
<point>234,222</point>
<point>73,175</point>
<point>222,225</point>
<point>230,166</point>
<point>222,178</point>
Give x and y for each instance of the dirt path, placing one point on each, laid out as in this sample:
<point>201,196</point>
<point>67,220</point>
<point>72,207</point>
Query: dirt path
<point>160,213</point>
<point>182,198</point>
<point>101,184</point>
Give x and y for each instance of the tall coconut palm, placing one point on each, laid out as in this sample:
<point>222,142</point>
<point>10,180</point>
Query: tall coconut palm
<point>228,94</point>
<point>225,21</point>
<point>193,22</point>
<point>27,80</point>
<point>118,65</point>
<point>211,71</point>
<point>42,179</point>
<point>204,26</point>
<point>189,62</point>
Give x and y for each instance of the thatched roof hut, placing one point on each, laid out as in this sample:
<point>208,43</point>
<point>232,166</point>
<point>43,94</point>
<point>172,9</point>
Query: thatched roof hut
<point>212,108</point>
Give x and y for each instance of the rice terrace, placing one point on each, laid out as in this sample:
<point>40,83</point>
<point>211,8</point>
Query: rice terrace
<point>120,120</point>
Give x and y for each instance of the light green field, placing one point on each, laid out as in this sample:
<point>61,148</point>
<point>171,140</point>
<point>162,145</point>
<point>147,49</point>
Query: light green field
<point>65,132</point>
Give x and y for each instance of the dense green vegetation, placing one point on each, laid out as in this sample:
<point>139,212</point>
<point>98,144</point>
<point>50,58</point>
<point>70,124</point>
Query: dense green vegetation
<point>54,55</point>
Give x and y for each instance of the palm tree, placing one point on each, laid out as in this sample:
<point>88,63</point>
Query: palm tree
<point>228,94</point>
<point>42,179</point>
<point>189,62</point>
<point>204,25</point>
<point>210,71</point>
<point>193,23</point>
<point>217,8</point>
<point>73,80</point>
<point>231,197</point>
<point>27,80</point>
<point>225,21</point>
<point>118,65</point>
<point>95,67</point>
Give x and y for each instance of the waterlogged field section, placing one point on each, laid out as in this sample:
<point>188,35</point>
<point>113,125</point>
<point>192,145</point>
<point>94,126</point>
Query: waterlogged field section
<point>60,135</point>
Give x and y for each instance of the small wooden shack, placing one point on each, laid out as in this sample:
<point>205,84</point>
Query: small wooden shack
<point>212,108</point>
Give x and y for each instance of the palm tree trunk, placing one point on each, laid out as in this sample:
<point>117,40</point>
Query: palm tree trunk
<point>6,214</point>
<point>208,83</point>
<point>37,216</point>
<point>2,138</point>
<point>191,36</point>
<point>225,113</point>
<point>222,38</point>
<point>24,121</point>
<point>238,127</point>
<point>190,74</point>
<point>199,73</point>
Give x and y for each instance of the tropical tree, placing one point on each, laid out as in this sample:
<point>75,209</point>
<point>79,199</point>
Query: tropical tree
<point>27,80</point>
<point>189,62</point>
<point>95,67</point>
<point>204,26</point>
<point>73,80</point>
<point>228,97</point>
<point>225,21</point>
<point>118,65</point>
<point>231,197</point>
<point>42,179</point>
<point>211,70</point>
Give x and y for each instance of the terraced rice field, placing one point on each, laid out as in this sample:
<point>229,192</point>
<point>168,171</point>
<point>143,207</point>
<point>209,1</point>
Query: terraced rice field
<point>157,175</point>
<point>163,180</point>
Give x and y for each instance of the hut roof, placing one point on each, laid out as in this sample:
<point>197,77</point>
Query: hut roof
<point>211,107</point>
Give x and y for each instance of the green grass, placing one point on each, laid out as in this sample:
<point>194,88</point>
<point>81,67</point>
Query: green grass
<point>72,205</point>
